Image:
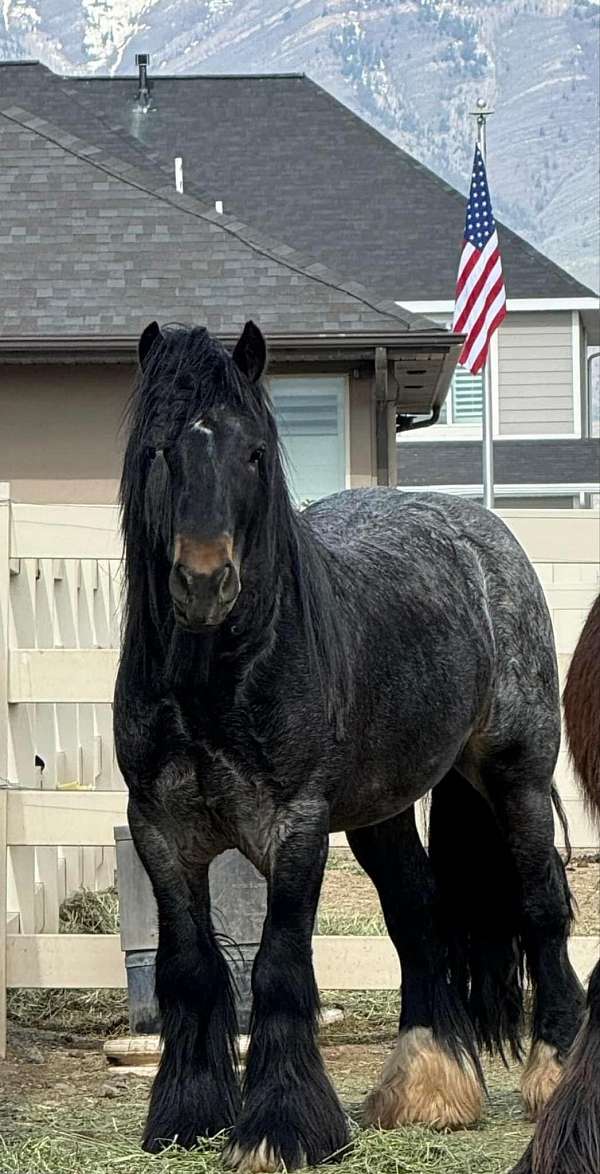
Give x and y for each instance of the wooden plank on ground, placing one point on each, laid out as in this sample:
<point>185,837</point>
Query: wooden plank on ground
<point>63,675</point>
<point>341,963</point>
<point>65,818</point>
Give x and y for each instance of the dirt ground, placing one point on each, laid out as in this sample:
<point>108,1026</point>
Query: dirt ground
<point>348,896</point>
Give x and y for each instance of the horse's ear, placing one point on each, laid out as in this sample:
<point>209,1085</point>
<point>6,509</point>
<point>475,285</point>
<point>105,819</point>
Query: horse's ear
<point>250,352</point>
<point>148,338</point>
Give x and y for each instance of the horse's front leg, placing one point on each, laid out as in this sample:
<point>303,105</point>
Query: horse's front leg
<point>196,1091</point>
<point>291,1115</point>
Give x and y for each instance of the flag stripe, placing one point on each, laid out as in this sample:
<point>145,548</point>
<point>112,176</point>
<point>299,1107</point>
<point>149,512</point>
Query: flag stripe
<point>469,258</point>
<point>479,266</point>
<point>479,340</point>
<point>470,307</point>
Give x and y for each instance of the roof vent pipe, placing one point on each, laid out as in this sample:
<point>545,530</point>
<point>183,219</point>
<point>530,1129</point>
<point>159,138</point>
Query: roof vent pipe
<point>142,61</point>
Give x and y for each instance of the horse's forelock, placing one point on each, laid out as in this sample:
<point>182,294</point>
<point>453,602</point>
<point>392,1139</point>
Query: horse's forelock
<point>190,372</point>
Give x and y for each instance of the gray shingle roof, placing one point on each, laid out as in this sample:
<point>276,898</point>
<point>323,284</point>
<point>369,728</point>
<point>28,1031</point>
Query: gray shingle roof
<point>92,244</point>
<point>293,161</point>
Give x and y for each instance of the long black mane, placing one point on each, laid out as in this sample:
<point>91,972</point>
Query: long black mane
<point>187,374</point>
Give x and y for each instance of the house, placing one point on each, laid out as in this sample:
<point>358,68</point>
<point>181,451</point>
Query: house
<point>276,164</point>
<point>96,241</point>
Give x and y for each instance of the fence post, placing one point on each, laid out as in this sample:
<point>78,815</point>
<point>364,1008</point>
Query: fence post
<point>4,582</point>
<point>4,606</point>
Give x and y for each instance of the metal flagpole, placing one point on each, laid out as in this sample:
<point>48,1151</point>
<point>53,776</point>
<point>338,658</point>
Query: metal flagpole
<point>482,113</point>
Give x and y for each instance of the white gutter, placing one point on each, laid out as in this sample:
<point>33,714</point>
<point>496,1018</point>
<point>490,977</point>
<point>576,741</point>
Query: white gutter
<point>529,304</point>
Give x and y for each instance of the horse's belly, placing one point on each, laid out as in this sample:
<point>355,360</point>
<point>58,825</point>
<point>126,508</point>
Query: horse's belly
<point>383,792</point>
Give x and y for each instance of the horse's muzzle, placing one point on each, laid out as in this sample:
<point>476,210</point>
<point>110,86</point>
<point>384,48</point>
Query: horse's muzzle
<point>202,600</point>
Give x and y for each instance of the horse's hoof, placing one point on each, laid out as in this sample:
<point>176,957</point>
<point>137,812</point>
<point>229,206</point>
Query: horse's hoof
<point>424,1084</point>
<point>262,1159</point>
<point>543,1071</point>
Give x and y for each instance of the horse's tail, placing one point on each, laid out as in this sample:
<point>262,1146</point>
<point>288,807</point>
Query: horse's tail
<point>567,1139</point>
<point>480,906</point>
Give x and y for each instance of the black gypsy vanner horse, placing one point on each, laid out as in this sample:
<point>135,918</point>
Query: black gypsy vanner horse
<point>567,1139</point>
<point>285,675</point>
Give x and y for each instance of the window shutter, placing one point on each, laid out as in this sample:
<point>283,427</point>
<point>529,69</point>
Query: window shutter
<point>467,397</point>
<point>301,414</point>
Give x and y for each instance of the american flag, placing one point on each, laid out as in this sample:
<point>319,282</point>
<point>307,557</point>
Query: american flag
<point>480,303</point>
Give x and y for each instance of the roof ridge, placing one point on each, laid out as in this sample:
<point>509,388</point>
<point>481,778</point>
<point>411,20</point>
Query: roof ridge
<point>281,253</point>
<point>171,77</point>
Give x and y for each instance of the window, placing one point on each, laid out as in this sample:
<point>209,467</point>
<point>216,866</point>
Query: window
<point>464,403</point>
<point>467,397</point>
<point>311,417</point>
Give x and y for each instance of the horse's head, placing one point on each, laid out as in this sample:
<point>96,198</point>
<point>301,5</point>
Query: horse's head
<point>213,444</point>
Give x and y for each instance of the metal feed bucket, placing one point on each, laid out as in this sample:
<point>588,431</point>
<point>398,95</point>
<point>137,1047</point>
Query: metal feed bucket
<point>238,905</point>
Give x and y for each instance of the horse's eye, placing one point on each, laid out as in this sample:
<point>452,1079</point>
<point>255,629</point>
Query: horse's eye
<point>257,455</point>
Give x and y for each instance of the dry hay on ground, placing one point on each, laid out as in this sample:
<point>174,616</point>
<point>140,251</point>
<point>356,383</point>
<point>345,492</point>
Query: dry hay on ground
<point>65,1112</point>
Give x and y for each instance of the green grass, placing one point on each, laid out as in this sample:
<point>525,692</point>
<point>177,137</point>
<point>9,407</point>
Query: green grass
<point>332,921</point>
<point>342,860</point>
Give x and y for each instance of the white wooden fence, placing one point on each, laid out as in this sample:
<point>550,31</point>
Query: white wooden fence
<point>60,582</point>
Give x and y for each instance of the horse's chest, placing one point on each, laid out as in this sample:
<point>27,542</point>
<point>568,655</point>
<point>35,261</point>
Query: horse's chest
<point>248,811</point>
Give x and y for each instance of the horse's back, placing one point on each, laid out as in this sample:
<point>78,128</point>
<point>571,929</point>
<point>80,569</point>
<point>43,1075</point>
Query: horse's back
<point>409,527</point>
<point>443,549</point>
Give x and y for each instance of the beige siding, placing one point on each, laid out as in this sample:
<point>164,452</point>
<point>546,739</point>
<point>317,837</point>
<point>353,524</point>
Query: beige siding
<point>535,369</point>
<point>363,470</point>
<point>61,438</point>
<point>60,435</point>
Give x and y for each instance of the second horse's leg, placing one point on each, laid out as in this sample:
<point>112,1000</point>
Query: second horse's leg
<point>433,1075</point>
<point>291,1115</point>
<point>196,1091</point>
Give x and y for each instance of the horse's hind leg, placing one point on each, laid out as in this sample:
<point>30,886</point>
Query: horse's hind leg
<point>518,785</point>
<point>433,1075</point>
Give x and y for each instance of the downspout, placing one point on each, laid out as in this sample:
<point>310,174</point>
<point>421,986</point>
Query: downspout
<point>385,420</point>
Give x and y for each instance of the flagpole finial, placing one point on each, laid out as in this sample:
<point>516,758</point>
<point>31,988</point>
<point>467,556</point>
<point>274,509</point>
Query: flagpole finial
<point>482,113</point>
<point>482,110</point>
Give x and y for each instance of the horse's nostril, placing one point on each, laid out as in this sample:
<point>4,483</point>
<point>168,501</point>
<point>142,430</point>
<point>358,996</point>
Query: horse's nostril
<point>186,576</point>
<point>181,581</point>
<point>228,584</point>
